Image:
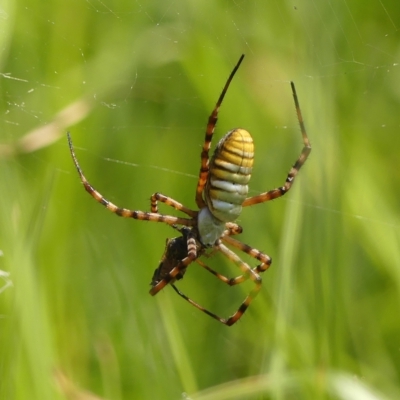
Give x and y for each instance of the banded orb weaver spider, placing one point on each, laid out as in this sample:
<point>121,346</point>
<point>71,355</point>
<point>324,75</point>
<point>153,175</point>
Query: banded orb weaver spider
<point>220,195</point>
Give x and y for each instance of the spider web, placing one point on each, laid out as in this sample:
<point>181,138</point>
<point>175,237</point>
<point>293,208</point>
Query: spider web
<point>134,83</point>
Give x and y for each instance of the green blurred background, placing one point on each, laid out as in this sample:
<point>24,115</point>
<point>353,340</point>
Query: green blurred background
<point>134,82</point>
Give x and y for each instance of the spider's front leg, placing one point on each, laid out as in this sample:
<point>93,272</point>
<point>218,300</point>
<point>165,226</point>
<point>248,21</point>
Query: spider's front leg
<point>179,253</point>
<point>128,213</point>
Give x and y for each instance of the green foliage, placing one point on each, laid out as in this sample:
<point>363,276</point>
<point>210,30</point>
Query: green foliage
<point>134,82</point>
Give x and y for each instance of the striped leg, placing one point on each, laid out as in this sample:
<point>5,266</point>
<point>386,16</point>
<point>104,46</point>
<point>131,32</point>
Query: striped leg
<point>156,197</point>
<point>278,192</point>
<point>215,273</point>
<point>199,307</point>
<point>175,260</point>
<point>248,273</point>
<point>266,260</point>
<point>124,212</point>
<point>233,229</point>
<point>253,275</point>
<point>212,121</point>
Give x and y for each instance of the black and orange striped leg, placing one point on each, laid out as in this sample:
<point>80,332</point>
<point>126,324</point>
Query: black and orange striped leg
<point>231,281</point>
<point>212,121</point>
<point>156,197</point>
<point>177,266</point>
<point>247,273</point>
<point>266,260</point>
<point>280,191</point>
<point>199,307</point>
<point>233,229</point>
<point>124,212</point>
<point>221,277</point>
<point>175,251</point>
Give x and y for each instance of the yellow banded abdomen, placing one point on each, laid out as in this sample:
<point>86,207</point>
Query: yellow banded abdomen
<point>230,172</point>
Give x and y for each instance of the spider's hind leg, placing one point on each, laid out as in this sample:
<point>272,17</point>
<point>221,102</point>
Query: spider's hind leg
<point>199,307</point>
<point>247,273</point>
<point>280,191</point>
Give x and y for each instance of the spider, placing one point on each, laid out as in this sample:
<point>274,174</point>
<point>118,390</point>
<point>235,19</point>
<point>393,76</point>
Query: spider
<point>220,195</point>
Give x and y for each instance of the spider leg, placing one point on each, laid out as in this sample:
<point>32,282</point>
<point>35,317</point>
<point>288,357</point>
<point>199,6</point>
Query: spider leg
<point>233,229</point>
<point>181,265</point>
<point>124,212</point>
<point>212,121</point>
<point>280,191</point>
<point>266,261</point>
<point>199,307</point>
<point>215,273</point>
<point>248,273</point>
<point>156,197</point>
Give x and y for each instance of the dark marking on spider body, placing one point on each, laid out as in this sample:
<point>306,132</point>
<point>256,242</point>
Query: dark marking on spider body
<point>175,251</point>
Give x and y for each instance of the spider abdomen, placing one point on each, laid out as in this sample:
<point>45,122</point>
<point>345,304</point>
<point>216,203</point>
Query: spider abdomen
<point>230,172</point>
